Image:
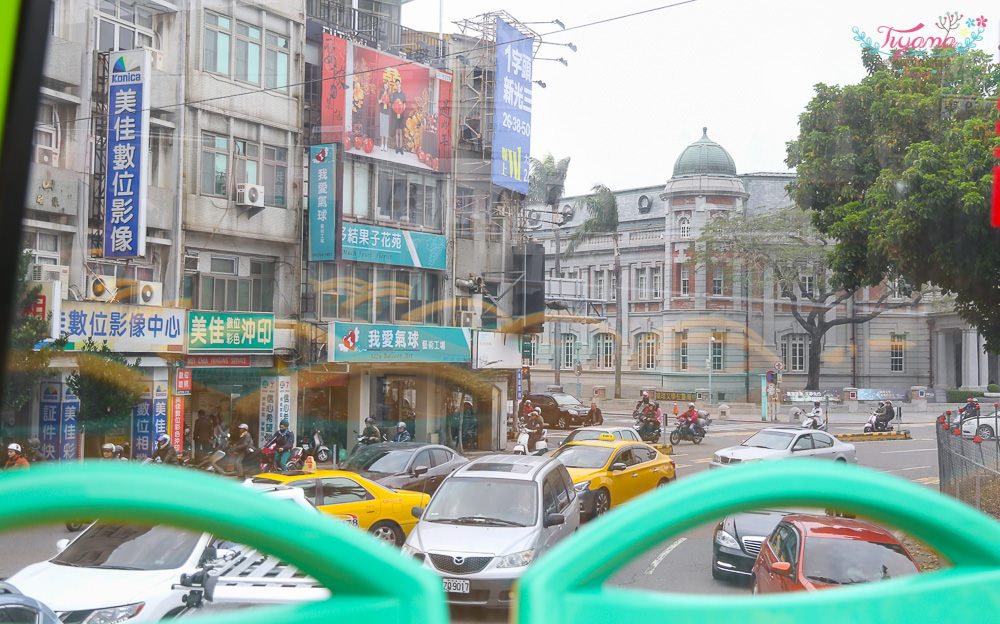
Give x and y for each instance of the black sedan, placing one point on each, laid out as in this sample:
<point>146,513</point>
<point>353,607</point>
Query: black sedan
<point>415,466</point>
<point>738,538</point>
<point>561,410</point>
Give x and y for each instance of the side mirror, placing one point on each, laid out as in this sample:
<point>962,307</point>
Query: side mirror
<point>782,567</point>
<point>62,544</point>
<point>419,470</point>
<point>554,520</point>
<point>618,466</point>
<point>417,512</point>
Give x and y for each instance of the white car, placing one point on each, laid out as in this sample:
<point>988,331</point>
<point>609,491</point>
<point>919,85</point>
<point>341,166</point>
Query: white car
<point>117,572</point>
<point>985,427</point>
<point>781,442</point>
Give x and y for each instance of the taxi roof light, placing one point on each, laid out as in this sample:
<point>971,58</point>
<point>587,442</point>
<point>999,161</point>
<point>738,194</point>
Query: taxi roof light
<point>606,437</point>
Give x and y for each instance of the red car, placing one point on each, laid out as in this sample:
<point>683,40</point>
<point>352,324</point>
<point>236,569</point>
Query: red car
<point>810,552</point>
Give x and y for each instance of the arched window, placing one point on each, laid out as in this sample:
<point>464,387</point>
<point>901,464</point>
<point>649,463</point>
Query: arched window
<point>605,351</point>
<point>648,345</point>
<point>684,224</point>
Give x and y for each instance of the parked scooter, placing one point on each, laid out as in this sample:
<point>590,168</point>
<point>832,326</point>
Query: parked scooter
<point>312,446</point>
<point>877,424</point>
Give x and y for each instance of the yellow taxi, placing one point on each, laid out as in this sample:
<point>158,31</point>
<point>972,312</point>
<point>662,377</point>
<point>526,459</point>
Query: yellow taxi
<point>608,471</point>
<point>382,511</point>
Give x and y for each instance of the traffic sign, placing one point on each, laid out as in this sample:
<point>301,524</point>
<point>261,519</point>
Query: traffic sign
<point>779,366</point>
<point>771,377</point>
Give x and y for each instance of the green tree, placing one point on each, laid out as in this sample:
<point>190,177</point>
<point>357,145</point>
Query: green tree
<point>781,248</point>
<point>896,169</point>
<point>546,185</point>
<point>25,366</point>
<point>108,387</point>
<point>602,219</point>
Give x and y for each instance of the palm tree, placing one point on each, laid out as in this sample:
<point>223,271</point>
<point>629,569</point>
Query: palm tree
<point>546,183</point>
<point>602,219</point>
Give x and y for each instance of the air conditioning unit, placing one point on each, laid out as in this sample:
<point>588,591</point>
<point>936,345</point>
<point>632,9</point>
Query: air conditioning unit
<point>45,155</point>
<point>467,318</point>
<point>155,58</point>
<point>191,261</point>
<point>149,293</point>
<point>250,195</point>
<point>101,288</point>
<point>49,273</point>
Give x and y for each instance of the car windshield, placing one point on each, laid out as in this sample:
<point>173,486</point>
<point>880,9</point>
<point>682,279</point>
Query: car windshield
<point>775,440</point>
<point>382,459</point>
<point>566,399</point>
<point>129,547</point>
<point>584,434</point>
<point>584,456</point>
<point>484,502</point>
<point>846,561</point>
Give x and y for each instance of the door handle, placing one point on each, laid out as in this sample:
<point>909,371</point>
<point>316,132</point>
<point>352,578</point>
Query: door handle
<point>635,474</point>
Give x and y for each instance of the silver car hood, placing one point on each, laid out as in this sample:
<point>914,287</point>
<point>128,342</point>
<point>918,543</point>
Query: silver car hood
<point>442,538</point>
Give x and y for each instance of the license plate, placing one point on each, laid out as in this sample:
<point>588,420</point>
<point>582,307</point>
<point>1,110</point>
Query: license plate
<point>456,586</point>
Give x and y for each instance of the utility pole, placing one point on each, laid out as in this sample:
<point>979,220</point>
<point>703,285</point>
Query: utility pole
<point>557,329</point>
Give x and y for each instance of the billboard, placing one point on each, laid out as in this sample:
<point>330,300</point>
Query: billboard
<point>512,109</point>
<point>367,243</point>
<point>126,328</point>
<point>322,203</point>
<point>221,332</point>
<point>358,342</point>
<point>128,144</point>
<point>383,107</point>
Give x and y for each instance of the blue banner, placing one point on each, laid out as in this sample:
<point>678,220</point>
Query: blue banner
<point>160,419</point>
<point>322,203</point>
<point>128,143</point>
<point>142,426</point>
<point>512,109</point>
<point>356,342</point>
<point>50,420</point>
<point>367,243</point>
<point>69,430</point>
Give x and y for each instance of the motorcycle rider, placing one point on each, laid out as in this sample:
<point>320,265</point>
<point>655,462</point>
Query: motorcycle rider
<point>642,405</point>
<point>690,419</point>
<point>283,440</point>
<point>594,416</point>
<point>371,434</point>
<point>402,435</point>
<point>34,454</point>
<point>238,450</point>
<point>650,420</point>
<point>535,427</point>
<point>15,459</point>
<point>165,452</point>
<point>815,416</point>
<point>108,451</point>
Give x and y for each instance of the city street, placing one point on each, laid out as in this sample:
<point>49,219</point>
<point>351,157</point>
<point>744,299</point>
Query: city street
<point>679,564</point>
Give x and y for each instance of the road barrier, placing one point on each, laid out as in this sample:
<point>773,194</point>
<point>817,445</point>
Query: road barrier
<point>969,466</point>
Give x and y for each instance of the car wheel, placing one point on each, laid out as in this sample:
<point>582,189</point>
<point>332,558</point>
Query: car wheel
<point>753,586</point>
<point>602,503</point>
<point>75,525</point>
<point>840,460</point>
<point>323,456</point>
<point>388,532</point>
<point>663,482</point>
<point>985,432</point>
<point>675,437</point>
<point>561,423</point>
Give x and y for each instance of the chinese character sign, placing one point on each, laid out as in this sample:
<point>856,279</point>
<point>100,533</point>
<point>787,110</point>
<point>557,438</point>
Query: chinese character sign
<point>268,408</point>
<point>246,332</point>
<point>143,430</point>
<point>512,109</point>
<point>128,144</point>
<point>50,419</point>
<point>322,199</point>
<point>367,243</point>
<point>333,87</point>
<point>130,329</point>
<point>356,342</point>
<point>69,434</point>
<point>177,421</point>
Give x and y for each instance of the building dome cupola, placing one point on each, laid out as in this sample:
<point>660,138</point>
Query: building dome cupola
<point>704,157</point>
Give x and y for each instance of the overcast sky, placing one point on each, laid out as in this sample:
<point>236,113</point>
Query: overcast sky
<point>639,89</point>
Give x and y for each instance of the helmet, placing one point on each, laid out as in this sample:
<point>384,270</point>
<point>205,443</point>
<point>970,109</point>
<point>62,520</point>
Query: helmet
<point>538,411</point>
<point>816,403</point>
<point>108,447</point>
<point>888,402</point>
<point>243,426</point>
<point>14,446</point>
<point>656,403</point>
<point>369,420</point>
<point>401,425</point>
<point>283,422</point>
<point>645,394</point>
<point>35,443</point>
<point>162,438</point>
<point>691,405</point>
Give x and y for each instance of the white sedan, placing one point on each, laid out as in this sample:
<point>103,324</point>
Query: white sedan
<point>985,427</point>
<point>781,442</point>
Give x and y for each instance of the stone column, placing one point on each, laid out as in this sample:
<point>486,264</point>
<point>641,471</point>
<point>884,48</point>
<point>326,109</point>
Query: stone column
<point>970,374</point>
<point>984,361</point>
<point>942,378</point>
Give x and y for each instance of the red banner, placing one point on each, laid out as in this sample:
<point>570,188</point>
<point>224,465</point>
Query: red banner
<point>183,381</point>
<point>334,88</point>
<point>177,421</point>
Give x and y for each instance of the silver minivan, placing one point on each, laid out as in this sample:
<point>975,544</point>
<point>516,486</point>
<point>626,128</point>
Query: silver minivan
<point>491,518</point>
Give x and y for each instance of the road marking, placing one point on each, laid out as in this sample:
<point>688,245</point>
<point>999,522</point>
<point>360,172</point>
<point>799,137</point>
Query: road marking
<point>928,480</point>
<point>910,468</point>
<point>910,451</point>
<point>676,466</point>
<point>662,555</point>
<point>702,460</point>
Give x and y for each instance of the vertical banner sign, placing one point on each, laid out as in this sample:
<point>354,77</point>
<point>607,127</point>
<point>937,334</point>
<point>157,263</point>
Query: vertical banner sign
<point>142,425</point>
<point>996,179</point>
<point>334,87</point>
<point>160,409</point>
<point>512,109</point>
<point>444,119</point>
<point>284,400</point>
<point>322,197</point>
<point>69,431</point>
<point>177,421</point>
<point>268,408</point>
<point>50,419</point>
<point>182,380</point>
<point>128,144</point>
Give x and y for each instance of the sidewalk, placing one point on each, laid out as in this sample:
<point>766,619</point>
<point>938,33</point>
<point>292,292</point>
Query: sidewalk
<point>745,412</point>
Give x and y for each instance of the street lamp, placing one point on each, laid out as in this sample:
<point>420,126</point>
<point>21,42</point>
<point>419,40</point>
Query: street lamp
<point>708,365</point>
<point>558,60</point>
<point>569,45</point>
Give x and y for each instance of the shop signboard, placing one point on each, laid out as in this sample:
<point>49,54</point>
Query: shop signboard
<point>241,332</point>
<point>275,405</point>
<point>50,419</point>
<point>182,380</point>
<point>177,421</point>
<point>357,342</point>
<point>142,425</point>
<point>69,430</point>
<point>322,203</point>
<point>126,328</point>
<point>512,109</point>
<point>367,243</point>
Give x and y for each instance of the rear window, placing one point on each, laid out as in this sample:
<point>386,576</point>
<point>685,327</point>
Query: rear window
<point>498,467</point>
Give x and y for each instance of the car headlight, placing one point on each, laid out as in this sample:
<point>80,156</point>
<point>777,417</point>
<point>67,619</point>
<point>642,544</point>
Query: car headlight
<point>717,458</point>
<point>517,560</point>
<point>114,614</point>
<point>725,539</point>
<point>581,487</point>
<point>406,549</point>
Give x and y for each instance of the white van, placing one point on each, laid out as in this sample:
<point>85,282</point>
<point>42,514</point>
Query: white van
<point>490,519</point>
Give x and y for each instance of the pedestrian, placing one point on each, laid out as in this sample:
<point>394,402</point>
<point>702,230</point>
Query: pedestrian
<point>594,416</point>
<point>15,458</point>
<point>204,434</point>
